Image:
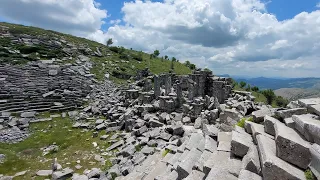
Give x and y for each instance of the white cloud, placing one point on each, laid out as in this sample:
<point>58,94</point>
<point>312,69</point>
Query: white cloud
<point>79,17</point>
<point>238,37</point>
<point>228,36</point>
<point>318,5</point>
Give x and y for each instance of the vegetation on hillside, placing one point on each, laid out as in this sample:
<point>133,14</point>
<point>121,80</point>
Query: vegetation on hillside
<point>119,62</point>
<point>266,96</point>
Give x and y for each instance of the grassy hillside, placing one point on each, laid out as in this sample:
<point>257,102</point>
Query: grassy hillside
<point>117,61</point>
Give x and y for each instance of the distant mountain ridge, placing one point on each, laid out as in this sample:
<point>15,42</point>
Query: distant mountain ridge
<point>275,83</point>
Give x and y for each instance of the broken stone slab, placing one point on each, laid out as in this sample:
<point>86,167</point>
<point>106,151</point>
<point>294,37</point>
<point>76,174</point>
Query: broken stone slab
<point>309,126</point>
<point>308,102</point>
<point>289,122</point>
<point>269,125</point>
<point>291,147</point>
<point>224,136</point>
<point>154,123</point>
<point>224,146</point>
<point>203,158</point>
<point>258,116</point>
<point>258,129</point>
<point>247,175</point>
<point>210,144</point>
<point>251,160</point>
<point>240,143</point>
<point>315,160</point>
<point>115,145</point>
<point>195,175</point>
<point>48,94</point>
<point>272,166</point>
<point>194,140</point>
<point>185,166</point>
<point>146,150</point>
<point>44,172</point>
<point>290,112</point>
<point>210,130</point>
<point>53,72</point>
<point>218,173</point>
<point>64,174</point>
<point>28,114</point>
<point>315,109</point>
<point>197,123</point>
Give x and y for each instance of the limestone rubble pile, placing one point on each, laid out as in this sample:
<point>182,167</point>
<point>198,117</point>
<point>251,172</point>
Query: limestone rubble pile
<point>182,129</point>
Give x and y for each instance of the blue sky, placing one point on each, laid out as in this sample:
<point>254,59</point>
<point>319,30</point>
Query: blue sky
<point>283,9</point>
<point>277,38</point>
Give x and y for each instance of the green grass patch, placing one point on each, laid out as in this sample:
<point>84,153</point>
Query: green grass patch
<point>243,120</point>
<point>165,152</point>
<point>74,144</point>
<point>309,175</point>
<point>138,147</point>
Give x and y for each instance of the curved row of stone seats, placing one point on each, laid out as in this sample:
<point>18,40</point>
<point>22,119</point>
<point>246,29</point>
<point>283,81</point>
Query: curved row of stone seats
<point>32,88</point>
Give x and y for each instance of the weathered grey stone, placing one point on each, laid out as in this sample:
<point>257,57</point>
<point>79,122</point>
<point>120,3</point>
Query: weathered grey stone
<point>258,116</point>
<point>258,129</point>
<point>291,147</point>
<point>195,175</point>
<point>224,146</point>
<point>269,125</point>
<point>198,123</point>
<point>247,175</point>
<point>315,160</point>
<point>289,122</point>
<point>217,173</point>
<point>251,161</point>
<point>272,166</point>
<point>185,166</point>
<point>210,144</point>
<point>290,112</point>
<point>94,173</point>
<point>309,126</point>
<point>154,123</point>
<point>240,143</point>
<point>315,109</point>
<point>115,145</point>
<point>147,150</point>
<point>62,175</point>
<point>53,72</point>
<point>210,130</point>
<point>194,140</point>
<point>27,114</point>
<point>178,130</point>
<point>186,120</point>
<point>203,158</point>
<point>224,136</point>
<point>44,172</point>
<point>308,102</point>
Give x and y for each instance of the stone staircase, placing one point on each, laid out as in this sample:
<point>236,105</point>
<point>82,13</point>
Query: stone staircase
<point>268,151</point>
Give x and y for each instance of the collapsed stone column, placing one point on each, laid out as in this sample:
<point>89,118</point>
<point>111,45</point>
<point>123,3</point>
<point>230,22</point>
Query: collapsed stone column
<point>179,94</point>
<point>157,90</point>
<point>168,84</point>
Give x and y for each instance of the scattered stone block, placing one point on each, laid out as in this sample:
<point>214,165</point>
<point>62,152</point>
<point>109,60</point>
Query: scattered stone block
<point>290,112</point>
<point>64,174</point>
<point>315,109</point>
<point>289,122</point>
<point>185,166</point>
<point>269,125</point>
<point>291,147</point>
<point>240,143</point>
<point>315,160</point>
<point>195,175</point>
<point>309,126</point>
<point>258,116</point>
<point>247,175</point>
<point>272,166</point>
<point>251,161</point>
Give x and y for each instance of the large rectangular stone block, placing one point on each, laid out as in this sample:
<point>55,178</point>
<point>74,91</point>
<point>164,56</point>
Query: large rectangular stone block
<point>269,125</point>
<point>290,112</point>
<point>240,143</point>
<point>315,109</point>
<point>185,166</point>
<point>251,160</point>
<point>273,167</point>
<point>309,126</point>
<point>315,160</point>
<point>247,175</point>
<point>291,147</point>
